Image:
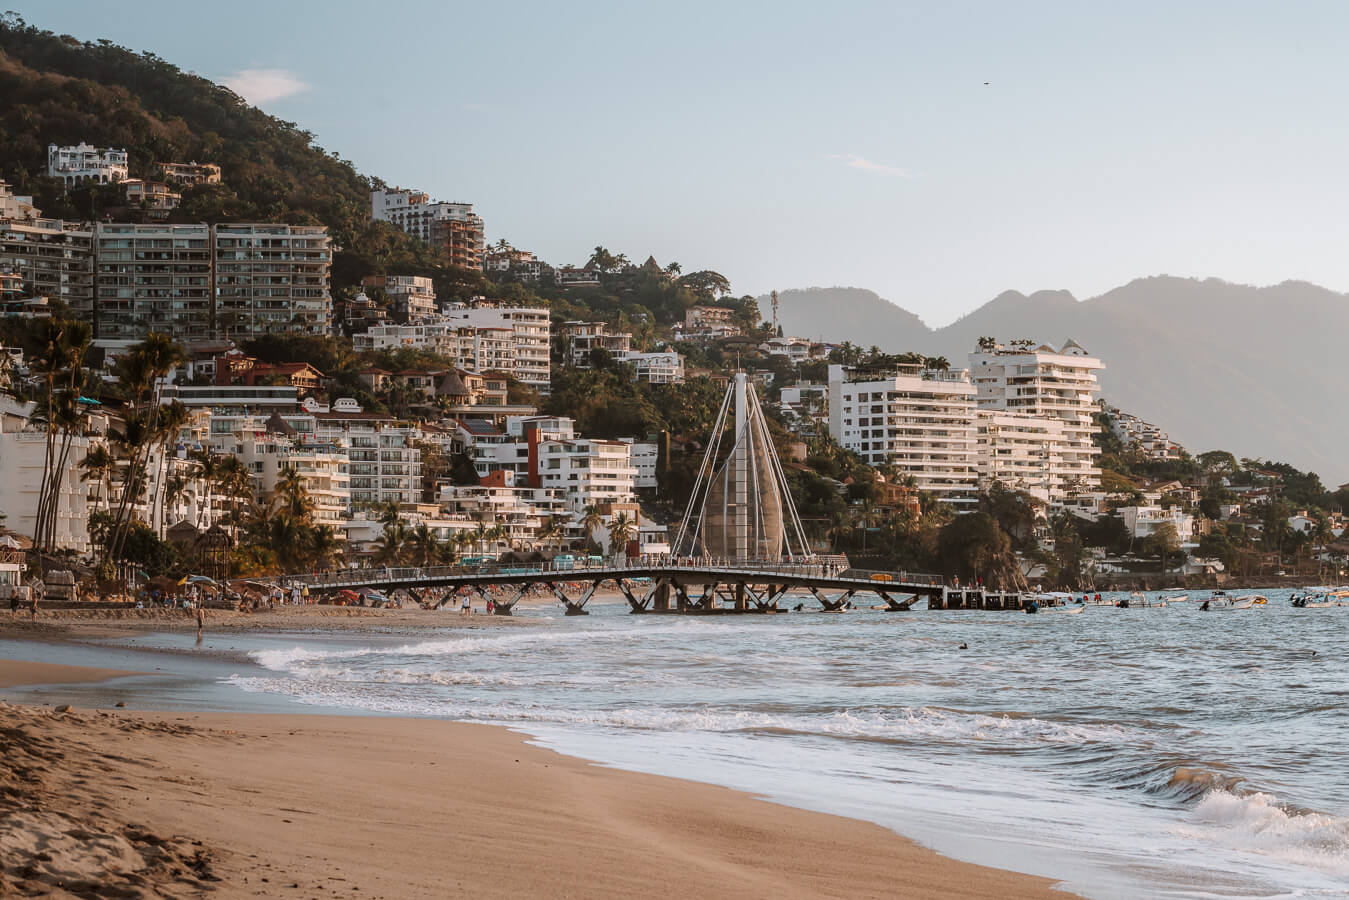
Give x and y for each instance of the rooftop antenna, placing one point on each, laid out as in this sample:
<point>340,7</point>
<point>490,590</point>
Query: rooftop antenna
<point>773,298</point>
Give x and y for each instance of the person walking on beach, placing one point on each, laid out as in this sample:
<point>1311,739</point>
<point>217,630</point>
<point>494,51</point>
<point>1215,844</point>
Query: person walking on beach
<point>466,608</point>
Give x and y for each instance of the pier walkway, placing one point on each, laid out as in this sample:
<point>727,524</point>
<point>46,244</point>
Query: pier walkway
<point>650,585</point>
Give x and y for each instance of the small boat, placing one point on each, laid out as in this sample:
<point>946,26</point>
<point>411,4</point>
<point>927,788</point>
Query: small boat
<point>1064,611</point>
<point>1182,598</point>
<point>1321,598</point>
<point>1139,600</point>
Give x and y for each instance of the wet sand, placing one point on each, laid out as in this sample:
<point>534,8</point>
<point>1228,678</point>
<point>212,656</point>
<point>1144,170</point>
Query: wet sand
<point>232,805</point>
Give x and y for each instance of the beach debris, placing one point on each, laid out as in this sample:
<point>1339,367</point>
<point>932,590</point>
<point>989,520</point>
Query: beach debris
<point>63,708</point>
<point>120,704</point>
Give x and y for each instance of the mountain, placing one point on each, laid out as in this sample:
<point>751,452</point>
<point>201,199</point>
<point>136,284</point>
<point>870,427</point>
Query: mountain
<point>1253,370</point>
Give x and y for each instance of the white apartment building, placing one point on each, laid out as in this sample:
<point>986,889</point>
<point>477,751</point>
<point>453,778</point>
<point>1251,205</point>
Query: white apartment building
<point>585,337</point>
<point>523,511</point>
<point>544,451</point>
<point>16,206</point>
<point>794,348</point>
<point>191,280</point>
<point>413,296</point>
<point>1025,453</point>
<point>645,457</point>
<point>271,278</point>
<point>85,162</point>
<point>1143,521</point>
<point>157,196</point>
<point>1046,383</point>
<point>529,337</point>
<point>53,258</point>
<point>383,464</point>
<point>1144,436</point>
<point>415,213</point>
<point>921,422</point>
<point>661,367</point>
<point>152,278</point>
<point>323,467</point>
<point>591,472</point>
<point>433,334</point>
<point>23,452</point>
<point>520,263</point>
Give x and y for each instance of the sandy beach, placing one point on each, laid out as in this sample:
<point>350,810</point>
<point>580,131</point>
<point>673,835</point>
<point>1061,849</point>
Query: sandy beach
<point>139,804</point>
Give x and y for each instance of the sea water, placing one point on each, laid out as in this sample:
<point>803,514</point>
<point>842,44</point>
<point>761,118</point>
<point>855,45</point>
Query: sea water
<point>1123,752</point>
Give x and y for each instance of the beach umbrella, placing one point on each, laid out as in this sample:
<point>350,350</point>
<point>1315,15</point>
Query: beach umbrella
<point>200,579</point>
<point>348,595</point>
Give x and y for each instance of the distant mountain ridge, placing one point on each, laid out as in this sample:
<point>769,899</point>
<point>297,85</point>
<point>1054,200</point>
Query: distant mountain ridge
<point>1253,370</point>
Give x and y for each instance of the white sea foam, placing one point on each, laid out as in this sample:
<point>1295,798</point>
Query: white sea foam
<point>1257,823</point>
<point>896,724</point>
<point>293,658</point>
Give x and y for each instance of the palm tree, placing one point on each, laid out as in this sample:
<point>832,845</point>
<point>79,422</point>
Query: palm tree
<point>208,472</point>
<point>425,545</point>
<point>552,532</point>
<point>447,551</point>
<point>480,538</point>
<point>235,483</point>
<point>63,345</point>
<point>172,418</point>
<point>591,520</point>
<point>621,530</point>
<point>324,546</point>
<point>391,546</point>
<point>292,495</point>
<point>98,464</point>
<point>141,373</point>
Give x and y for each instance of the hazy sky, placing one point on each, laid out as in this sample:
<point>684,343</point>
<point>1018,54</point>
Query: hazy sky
<point>795,144</point>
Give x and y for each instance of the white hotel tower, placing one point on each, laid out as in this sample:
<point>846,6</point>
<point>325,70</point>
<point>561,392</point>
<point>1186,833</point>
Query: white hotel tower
<point>1035,417</point>
<point>919,421</point>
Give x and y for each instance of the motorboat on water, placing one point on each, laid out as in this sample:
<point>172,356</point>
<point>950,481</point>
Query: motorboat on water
<point>1321,598</point>
<point>1221,600</point>
<point>1059,610</point>
<point>1180,598</point>
<point>1139,600</point>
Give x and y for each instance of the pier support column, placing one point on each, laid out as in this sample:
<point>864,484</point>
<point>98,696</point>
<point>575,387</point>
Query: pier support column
<point>835,605</point>
<point>893,605</point>
<point>507,608</point>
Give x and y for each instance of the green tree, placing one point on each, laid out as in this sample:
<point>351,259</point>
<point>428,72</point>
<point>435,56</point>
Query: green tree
<point>1164,541</point>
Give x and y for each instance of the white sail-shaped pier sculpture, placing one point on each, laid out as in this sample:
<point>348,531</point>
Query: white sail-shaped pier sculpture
<point>741,508</point>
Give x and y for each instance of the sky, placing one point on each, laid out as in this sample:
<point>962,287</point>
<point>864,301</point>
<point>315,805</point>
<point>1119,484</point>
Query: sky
<point>936,153</point>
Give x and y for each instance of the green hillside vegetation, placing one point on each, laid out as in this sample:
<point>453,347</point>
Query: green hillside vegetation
<point>57,89</point>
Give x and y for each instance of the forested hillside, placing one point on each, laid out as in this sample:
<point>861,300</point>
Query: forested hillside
<point>57,89</point>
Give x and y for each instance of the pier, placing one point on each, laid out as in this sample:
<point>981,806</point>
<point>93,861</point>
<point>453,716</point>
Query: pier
<point>659,585</point>
<point>740,548</point>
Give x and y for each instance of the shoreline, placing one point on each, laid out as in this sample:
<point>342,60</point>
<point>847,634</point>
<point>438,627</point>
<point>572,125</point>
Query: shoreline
<point>456,808</point>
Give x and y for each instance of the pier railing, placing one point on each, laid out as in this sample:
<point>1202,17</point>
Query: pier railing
<point>632,567</point>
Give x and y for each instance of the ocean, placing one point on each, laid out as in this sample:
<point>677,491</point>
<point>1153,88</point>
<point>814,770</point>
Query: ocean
<point>1125,752</point>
